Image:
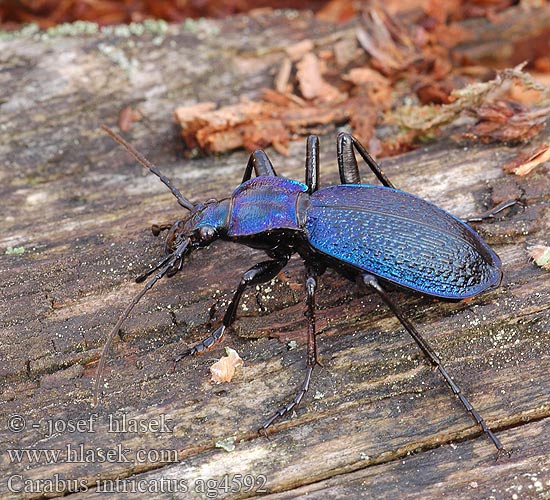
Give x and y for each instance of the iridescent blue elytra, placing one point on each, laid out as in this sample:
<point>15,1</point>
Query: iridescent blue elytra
<point>371,234</point>
<point>356,228</point>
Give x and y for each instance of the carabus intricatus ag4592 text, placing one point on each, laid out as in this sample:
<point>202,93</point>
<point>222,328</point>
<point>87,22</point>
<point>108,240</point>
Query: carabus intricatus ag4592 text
<point>375,234</point>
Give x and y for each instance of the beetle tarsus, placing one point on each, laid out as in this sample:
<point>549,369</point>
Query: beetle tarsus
<point>258,273</point>
<point>311,352</point>
<point>428,351</point>
<point>289,406</point>
<point>204,345</point>
<point>502,452</point>
<point>493,212</point>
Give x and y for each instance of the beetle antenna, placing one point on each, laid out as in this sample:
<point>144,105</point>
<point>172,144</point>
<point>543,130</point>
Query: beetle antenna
<point>184,202</point>
<point>180,250</point>
<point>142,277</point>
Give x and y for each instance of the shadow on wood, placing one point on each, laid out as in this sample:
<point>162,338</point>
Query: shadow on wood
<point>80,210</point>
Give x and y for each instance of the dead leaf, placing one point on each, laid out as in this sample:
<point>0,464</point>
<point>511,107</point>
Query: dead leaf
<point>223,370</point>
<point>283,75</point>
<point>337,11</point>
<point>542,64</point>
<point>372,84</point>
<point>506,121</point>
<point>126,117</point>
<point>470,98</point>
<point>362,124</point>
<point>450,35</point>
<point>386,40</point>
<point>398,144</point>
<point>345,51</point>
<point>524,163</point>
<point>263,133</point>
<point>283,99</point>
<point>366,76</point>
<point>299,50</point>
<point>311,82</point>
<point>300,118</point>
<point>435,93</point>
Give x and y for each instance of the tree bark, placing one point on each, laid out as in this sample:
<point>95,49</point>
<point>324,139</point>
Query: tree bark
<point>378,422</point>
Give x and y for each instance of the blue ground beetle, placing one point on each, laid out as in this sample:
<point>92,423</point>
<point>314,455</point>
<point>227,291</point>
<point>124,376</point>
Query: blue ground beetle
<point>372,234</point>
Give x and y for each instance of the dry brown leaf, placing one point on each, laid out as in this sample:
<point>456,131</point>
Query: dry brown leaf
<point>542,64</point>
<point>283,99</point>
<point>283,75</point>
<point>187,114</point>
<point>300,118</point>
<point>472,97</point>
<point>299,50</point>
<point>372,84</point>
<point>434,93</point>
<point>450,35</point>
<point>217,141</point>
<point>366,76</point>
<point>506,121</point>
<point>311,82</point>
<point>126,117</point>
<point>387,41</point>
<point>345,51</point>
<point>362,123</point>
<point>219,130</point>
<point>524,163</point>
<point>263,133</point>
<point>223,370</point>
<point>337,11</point>
<point>399,144</point>
<point>525,95</point>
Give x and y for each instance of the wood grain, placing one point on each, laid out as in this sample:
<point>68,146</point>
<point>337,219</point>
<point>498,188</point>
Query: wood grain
<point>378,421</point>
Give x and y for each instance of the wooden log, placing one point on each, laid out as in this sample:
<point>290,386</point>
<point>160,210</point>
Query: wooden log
<point>378,422</point>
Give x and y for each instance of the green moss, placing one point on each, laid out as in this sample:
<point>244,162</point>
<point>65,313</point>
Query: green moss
<point>28,30</point>
<point>78,28</point>
<point>82,28</point>
<point>201,26</point>
<point>15,250</point>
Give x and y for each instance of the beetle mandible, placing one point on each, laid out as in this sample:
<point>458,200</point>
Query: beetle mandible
<point>374,234</point>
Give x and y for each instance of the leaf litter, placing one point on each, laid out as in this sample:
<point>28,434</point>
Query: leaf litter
<point>400,79</point>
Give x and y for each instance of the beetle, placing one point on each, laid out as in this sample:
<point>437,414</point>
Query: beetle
<point>373,234</point>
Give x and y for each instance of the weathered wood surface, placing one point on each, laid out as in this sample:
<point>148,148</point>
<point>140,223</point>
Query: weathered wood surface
<point>378,421</point>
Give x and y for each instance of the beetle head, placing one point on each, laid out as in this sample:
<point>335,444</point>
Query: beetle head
<point>206,223</point>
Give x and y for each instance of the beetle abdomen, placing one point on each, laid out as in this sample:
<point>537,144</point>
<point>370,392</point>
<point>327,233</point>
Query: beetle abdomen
<point>401,238</point>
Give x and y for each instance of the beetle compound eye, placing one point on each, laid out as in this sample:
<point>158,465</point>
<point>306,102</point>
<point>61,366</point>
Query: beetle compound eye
<point>207,233</point>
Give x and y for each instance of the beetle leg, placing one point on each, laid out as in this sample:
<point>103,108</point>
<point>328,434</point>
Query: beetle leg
<point>372,282</point>
<point>261,164</point>
<point>491,213</point>
<point>146,274</point>
<point>312,163</point>
<point>311,353</point>
<point>259,273</point>
<point>347,162</point>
